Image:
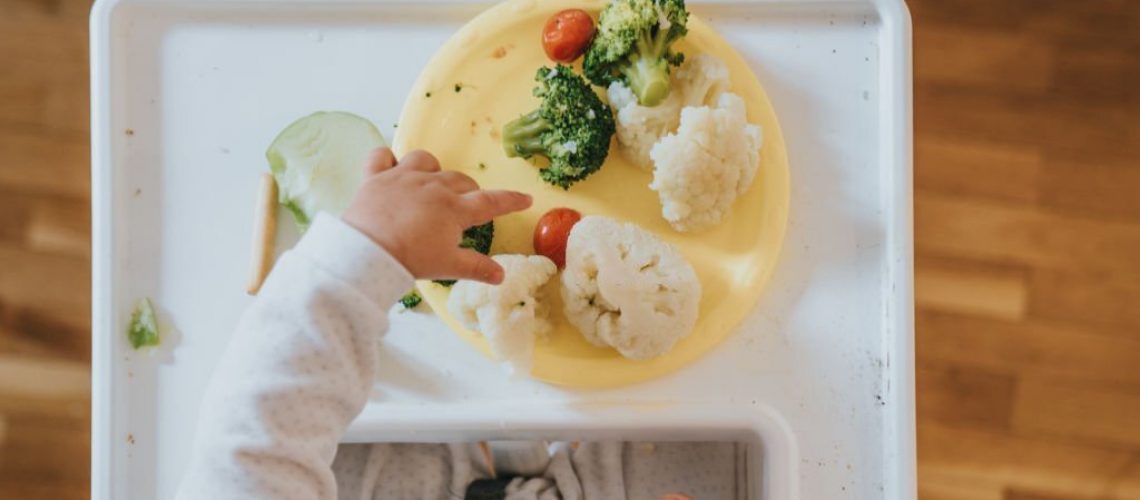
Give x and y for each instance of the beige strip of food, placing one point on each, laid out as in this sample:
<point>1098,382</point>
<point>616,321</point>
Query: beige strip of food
<point>488,458</point>
<point>264,233</point>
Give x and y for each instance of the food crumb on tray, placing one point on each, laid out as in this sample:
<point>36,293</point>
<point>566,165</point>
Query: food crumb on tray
<point>143,328</point>
<point>501,51</point>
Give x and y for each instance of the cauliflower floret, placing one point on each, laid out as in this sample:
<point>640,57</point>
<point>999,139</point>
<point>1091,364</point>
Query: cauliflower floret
<point>709,162</point>
<point>702,79</point>
<point>623,287</point>
<point>697,82</point>
<point>639,127</point>
<point>510,314</point>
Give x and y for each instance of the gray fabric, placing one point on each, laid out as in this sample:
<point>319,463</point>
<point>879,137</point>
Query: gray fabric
<point>593,471</point>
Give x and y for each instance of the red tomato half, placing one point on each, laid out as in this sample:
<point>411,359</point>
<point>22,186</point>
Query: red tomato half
<point>567,34</point>
<point>551,232</point>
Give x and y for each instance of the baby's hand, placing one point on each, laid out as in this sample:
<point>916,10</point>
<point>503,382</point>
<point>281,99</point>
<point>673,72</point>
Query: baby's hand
<point>418,214</point>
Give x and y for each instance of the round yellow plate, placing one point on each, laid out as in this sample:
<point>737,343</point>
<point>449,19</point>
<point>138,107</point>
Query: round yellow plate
<point>482,78</point>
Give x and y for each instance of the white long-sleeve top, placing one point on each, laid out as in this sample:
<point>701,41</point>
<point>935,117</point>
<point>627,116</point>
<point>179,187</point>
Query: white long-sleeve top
<point>300,366</point>
<point>298,369</point>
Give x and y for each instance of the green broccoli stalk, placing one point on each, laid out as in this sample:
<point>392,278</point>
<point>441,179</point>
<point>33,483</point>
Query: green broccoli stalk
<point>572,128</point>
<point>477,238</point>
<point>633,46</point>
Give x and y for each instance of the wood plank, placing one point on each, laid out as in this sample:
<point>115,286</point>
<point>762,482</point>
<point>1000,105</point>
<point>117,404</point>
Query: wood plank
<point>1024,494</point>
<point>1092,187</point>
<point>1034,348</point>
<point>1008,116</point>
<point>14,343</point>
<point>977,168</point>
<point>986,14</point>
<point>1023,119</point>
<point>47,450</point>
<point>982,457</point>
<point>15,213</point>
<point>48,291</point>
<point>1079,129</point>
<point>1097,74</point>
<point>1006,233</point>
<point>1127,482</point>
<point>45,100</point>
<point>14,408</point>
<point>942,484</point>
<point>74,10</point>
<point>39,163</point>
<point>32,38</point>
<point>41,333</point>
<point>60,226</point>
<point>33,488</point>
<point>1081,411</point>
<point>47,46</point>
<point>964,396</point>
<point>1102,296</point>
<point>971,288</point>
<point>1103,23</point>
<point>44,379</point>
<point>1000,58</point>
<point>44,298</point>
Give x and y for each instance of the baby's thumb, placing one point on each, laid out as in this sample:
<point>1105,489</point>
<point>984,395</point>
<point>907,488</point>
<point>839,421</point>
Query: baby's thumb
<point>472,265</point>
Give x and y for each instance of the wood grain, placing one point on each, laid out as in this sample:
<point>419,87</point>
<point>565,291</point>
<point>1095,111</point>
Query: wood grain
<point>1027,226</point>
<point>1079,411</point>
<point>1005,460</point>
<point>1027,174</point>
<point>981,290</point>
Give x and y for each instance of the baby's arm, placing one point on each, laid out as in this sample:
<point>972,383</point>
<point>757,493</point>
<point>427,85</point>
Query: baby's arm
<point>303,357</point>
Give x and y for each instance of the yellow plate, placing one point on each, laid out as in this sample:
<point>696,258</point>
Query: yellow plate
<point>493,60</point>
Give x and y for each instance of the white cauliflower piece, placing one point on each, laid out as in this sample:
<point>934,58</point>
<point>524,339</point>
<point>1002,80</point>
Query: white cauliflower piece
<point>710,161</point>
<point>623,287</point>
<point>698,82</point>
<point>639,127</point>
<point>702,79</point>
<point>510,314</point>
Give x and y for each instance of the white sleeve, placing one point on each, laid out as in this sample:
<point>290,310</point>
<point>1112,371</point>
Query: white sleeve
<point>299,368</point>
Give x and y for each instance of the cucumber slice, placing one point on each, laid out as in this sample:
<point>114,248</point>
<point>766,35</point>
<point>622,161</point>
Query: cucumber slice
<point>318,162</point>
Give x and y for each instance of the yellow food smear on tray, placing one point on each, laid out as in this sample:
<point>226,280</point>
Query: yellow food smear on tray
<point>482,78</point>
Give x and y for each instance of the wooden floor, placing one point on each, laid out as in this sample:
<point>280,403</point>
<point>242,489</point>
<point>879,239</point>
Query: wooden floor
<point>1028,249</point>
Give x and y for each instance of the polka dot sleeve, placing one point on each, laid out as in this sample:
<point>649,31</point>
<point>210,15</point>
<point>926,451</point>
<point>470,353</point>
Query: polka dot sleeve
<point>298,369</point>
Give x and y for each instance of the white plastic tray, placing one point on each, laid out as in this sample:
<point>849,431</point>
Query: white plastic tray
<point>820,376</point>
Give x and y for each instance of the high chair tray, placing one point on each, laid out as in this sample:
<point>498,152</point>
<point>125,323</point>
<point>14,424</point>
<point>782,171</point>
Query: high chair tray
<point>186,95</point>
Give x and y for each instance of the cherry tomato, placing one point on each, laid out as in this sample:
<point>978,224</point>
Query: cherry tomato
<point>551,232</point>
<point>567,34</point>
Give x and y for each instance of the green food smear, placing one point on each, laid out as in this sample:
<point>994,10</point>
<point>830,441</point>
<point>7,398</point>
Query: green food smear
<point>143,329</point>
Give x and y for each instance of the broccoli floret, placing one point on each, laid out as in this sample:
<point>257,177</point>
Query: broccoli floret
<point>477,238</point>
<point>633,46</point>
<point>572,128</point>
<point>411,299</point>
